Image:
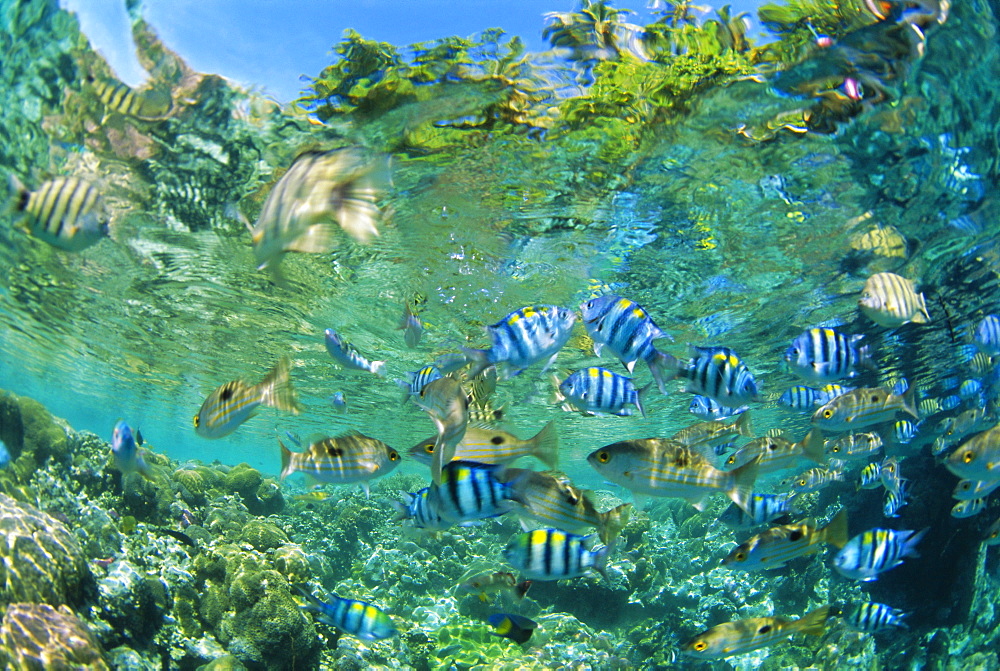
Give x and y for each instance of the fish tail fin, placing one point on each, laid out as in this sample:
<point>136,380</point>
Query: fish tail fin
<point>287,467</point>
<point>908,399</point>
<point>378,368</point>
<point>545,445</point>
<point>835,533</point>
<point>743,425</point>
<point>813,623</point>
<point>865,356</point>
<point>910,544</point>
<point>276,389</point>
<point>17,195</point>
<point>402,507</point>
<point>611,523</point>
<point>521,588</point>
<point>640,394</point>
<point>814,447</point>
<point>479,358</point>
<point>664,367</point>
<point>145,470</point>
<point>922,317</point>
<point>743,479</point>
<point>601,561</point>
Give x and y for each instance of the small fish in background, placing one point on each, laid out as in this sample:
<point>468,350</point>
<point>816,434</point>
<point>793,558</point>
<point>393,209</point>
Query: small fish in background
<point>66,212</point>
<point>522,338</point>
<point>986,335</point>
<point>487,445</point>
<point>968,508</point>
<point>447,404</point>
<point>900,386</point>
<point>715,372</point>
<point>706,408</point>
<point>126,454</point>
<point>890,474</point>
<point>801,397</point>
<point>871,617</point>
<point>419,507</point>
<point>890,300</point>
<point>338,402</point>
<point>471,491</point>
<point>347,356</point>
<point>759,509</point>
<point>905,431</point>
<point>357,618</point>
<point>145,105</point>
<point>894,501</point>
<point>855,446</point>
<point>992,535</point>
<point>735,638</point>
<point>493,582</point>
<point>816,479</point>
<point>5,457</point>
<point>314,496</point>
<point>626,329</point>
<point>875,551</point>
<point>774,547</point>
<point>825,355</point>
<point>708,437</point>
<point>969,389</point>
<point>978,458</point>
<point>235,402</point>
<point>863,407</point>
<point>294,438</point>
<point>871,476</point>
<point>966,490</point>
<point>411,327</point>
<point>776,453</point>
<point>596,391</point>
<point>551,554</point>
<point>318,192</point>
<point>419,379</point>
<point>341,460</point>
<point>516,628</point>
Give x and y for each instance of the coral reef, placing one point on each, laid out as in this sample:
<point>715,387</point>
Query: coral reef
<point>38,636</point>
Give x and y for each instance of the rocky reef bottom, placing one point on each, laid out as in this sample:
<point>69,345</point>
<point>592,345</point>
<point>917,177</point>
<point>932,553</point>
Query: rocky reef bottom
<point>198,567</point>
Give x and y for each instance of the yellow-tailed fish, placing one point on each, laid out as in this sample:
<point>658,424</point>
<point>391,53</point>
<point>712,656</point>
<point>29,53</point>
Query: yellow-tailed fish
<point>495,446</point>
<point>978,458</point>
<point>146,105</point>
<point>312,497</point>
<point>342,460</point>
<point>734,638</point>
<point>551,499</point>
<point>492,582</point>
<point>772,548</point>
<point>235,402</point>
<point>864,407</point>
<point>448,406</point>
<point>664,467</point>
<point>776,453</point>
<point>320,191</point>
<point>891,300</point>
<point>706,436</point>
<point>66,212</point>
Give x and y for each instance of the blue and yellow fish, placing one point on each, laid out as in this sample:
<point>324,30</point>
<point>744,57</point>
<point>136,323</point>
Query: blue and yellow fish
<point>357,618</point>
<point>524,337</point>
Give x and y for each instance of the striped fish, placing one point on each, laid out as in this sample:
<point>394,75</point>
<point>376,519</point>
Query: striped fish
<point>524,337</point>
<point>347,356</point>
<point>494,446</point>
<point>855,446</point>
<point>890,475</point>
<point>715,372</point>
<point>357,618</point>
<point>147,105</point>
<point>863,407</point>
<point>735,638</point>
<point>876,550</point>
<point>890,300</point>
<point>968,508</point>
<point>966,490</point>
<point>706,408</point>
<point>705,437</point>
<point>871,476</point>
<point>471,491</point>
<point>66,212</point>
<point>774,547</point>
<point>664,467</point>
<point>759,509</point>
<point>319,191</point>
<point>597,390</point>
<point>341,460</point>
<point>625,329</point>
<point>894,501</point>
<point>418,507</point>
<point>871,617</point>
<point>815,479</point>
<point>824,355</point>
<point>411,327</point>
<point>235,402</point>
<point>550,554</point>
<point>776,453</point>
<point>418,380</point>
<point>904,431</point>
<point>447,404</point>
<point>801,397</point>
<point>987,335</point>
<point>551,499</point>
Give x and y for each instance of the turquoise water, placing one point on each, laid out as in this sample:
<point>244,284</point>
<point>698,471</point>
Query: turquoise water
<point>731,216</point>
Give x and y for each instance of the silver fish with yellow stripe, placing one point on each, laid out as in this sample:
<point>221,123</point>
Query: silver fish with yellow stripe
<point>774,547</point>
<point>734,638</point>
<point>890,300</point>
<point>855,446</point>
<point>816,479</point>
<point>665,467</point>
<point>863,407</point>
<point>66,212</point>
<point>235,402</point>
<point>706,436</point>
<point>978,458</point>
<point>551,499</point>
<point>495,446</point>
<point>341,460</point>
<point>776,453</point>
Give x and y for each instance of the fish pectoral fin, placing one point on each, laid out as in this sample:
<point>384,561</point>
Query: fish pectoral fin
<point>317,238</point>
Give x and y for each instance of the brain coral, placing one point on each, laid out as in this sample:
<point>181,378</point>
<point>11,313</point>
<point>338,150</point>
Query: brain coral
<point>37,636</point>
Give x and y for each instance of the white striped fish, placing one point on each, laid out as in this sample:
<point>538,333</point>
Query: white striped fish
<point>147,105</point>
<point>825,355</point>
<point>890,300</point>
<point>597,390</point>
<point>66,212</point>
<point>341,460</point>
<point>987,335</point>
<point>524,337</point>
<point>774,547</point>
<point>471,491</point>
<point>625,329</point>
<point>735,638</point>
<point>550,554</point>
<point>357,618</point>
<point>871,617</point>
<point>418,507</point>
<point>495,446</point>
<point>876,550</point>
<point>715,372</point>
<point>233,403</point>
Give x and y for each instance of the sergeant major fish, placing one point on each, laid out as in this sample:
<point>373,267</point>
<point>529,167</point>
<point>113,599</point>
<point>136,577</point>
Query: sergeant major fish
<point>870,553</point>
<point>471,491</point>
<point>522,338</point>
<point>597,390</point>
<point>347,356</point>
<point>734,638</point>
<point>759,509</point>
<point>145,105</point>
<point>66,212</point>
<point>419,508</point>
<point>987,335</point>
<point>871,617</point>
<point>715,372</point>
<point>890,300</point>
<point>345,459</point>
<point>626,329</point>
<point>235,402</point>
<point>825,355</point>
<point>706,408</point>
<point>357,618</point>
<point>550,554</point>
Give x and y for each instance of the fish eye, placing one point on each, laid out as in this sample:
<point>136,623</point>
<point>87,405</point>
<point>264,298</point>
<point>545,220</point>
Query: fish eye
<point>603,457</point>
<point>876,398</point>
<point>969,456</point>
<point>394,455</point>
<point>700,645</point>
<point>763,630</point>
<point>966,486</point>
<point>772,446</point>
<point>196,421</point>
<point>801,483</point>
<point>429,448</point>
<point>827,414</point>
<point>731,460</point>
<point>740,556</point>
<point>835,449</point>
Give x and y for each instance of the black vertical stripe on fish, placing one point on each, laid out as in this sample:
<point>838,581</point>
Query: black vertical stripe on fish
<point>567,558</point>
<point>477,492</point>
<point>47,195</point>
<point>453,491</point>
<point>547,556</point>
